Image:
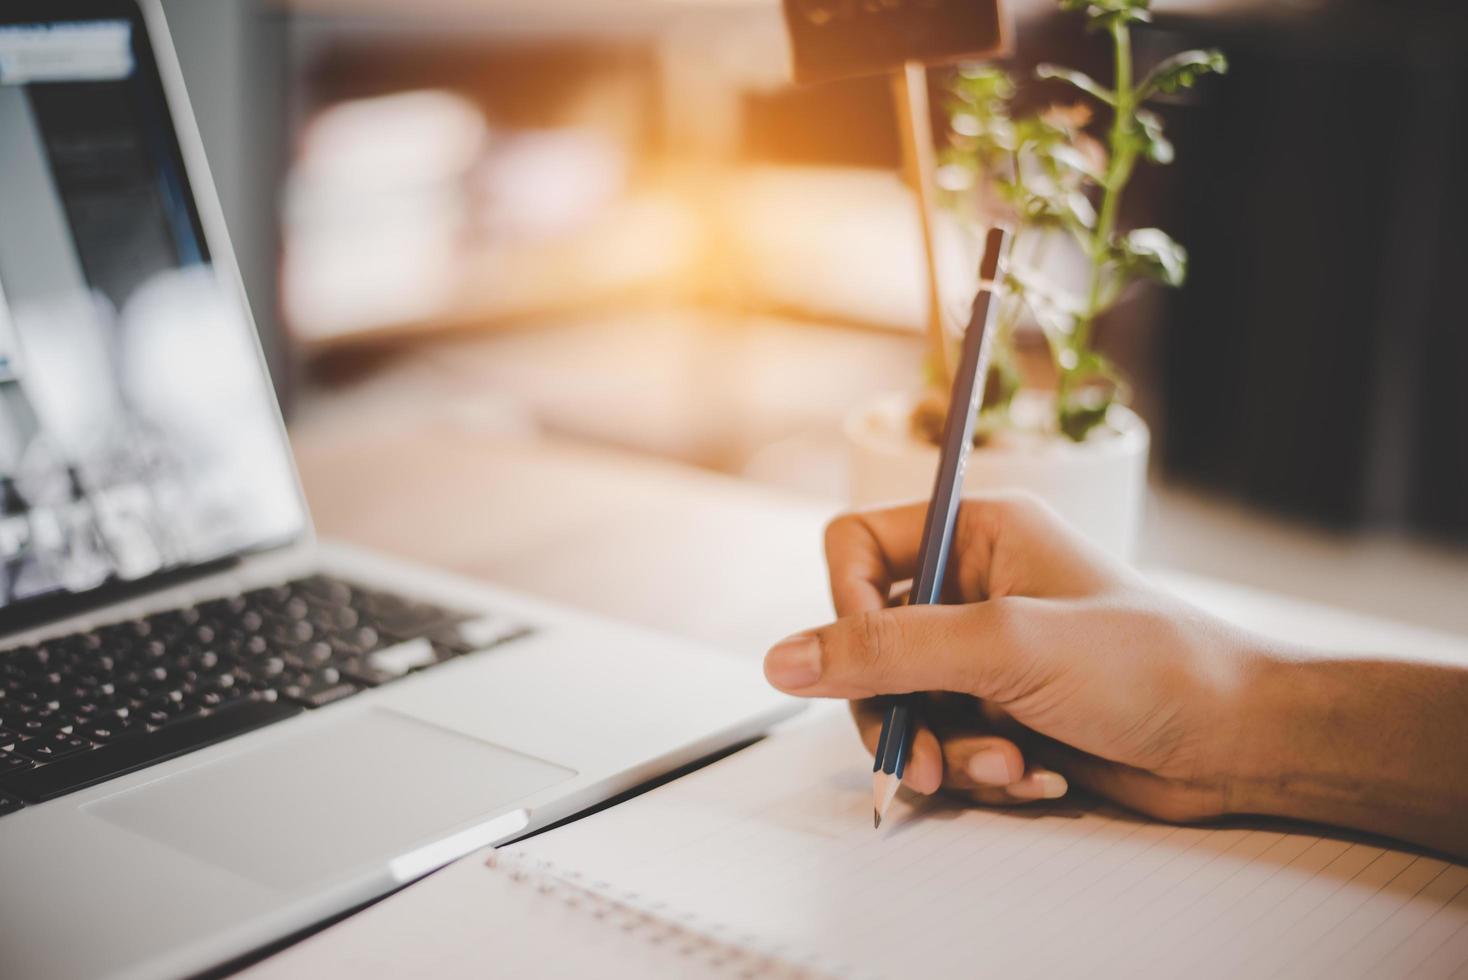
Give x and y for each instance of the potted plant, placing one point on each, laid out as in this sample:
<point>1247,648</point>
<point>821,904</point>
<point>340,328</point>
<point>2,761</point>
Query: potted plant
<point>1059,187</point>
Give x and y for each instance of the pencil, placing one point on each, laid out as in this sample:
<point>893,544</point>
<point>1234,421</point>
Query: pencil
<point>894,746</point>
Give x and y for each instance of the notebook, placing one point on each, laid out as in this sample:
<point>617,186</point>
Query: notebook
<point>766,864</point>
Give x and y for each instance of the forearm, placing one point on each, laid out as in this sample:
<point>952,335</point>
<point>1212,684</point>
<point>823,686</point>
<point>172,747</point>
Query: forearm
<point>1375,745</point>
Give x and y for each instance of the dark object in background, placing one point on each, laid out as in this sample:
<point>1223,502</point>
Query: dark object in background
<point>1314,364</point>
<point>851,121</point>
<point>841,38</point>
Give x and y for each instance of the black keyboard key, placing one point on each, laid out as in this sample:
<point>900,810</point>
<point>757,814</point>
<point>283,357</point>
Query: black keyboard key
<point>404,657</point>
<point>320,695</point>
<point>107,729</point>
<point>310,656</point>
<point>245,646</point>
<point>9,805</point>
<point>359,670</point>
<point>20,659</point>
<point>318,688</point>
<point>203,662</point>
<point>335,619</point>
<point>396,616</point>
<point>362,638</point>
<point>325,591</point>
<point>269,598</point>
<point>123,636</point>
<point>36,724</point>
<point>174,621</point>
<point>81,701</point>
<point>129,754</point>
<point>13,762</point>
<point>164,710</point>
<point>52,747</point>
<point>266,670</point>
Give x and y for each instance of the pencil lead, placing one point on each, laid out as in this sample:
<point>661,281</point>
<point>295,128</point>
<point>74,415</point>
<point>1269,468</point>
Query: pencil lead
<point>876,818</point>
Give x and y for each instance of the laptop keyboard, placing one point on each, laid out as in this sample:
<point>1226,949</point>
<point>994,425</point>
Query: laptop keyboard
<point>81,709</point>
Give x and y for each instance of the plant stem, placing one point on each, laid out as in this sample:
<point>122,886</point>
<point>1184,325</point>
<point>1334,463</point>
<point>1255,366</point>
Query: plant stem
<point>1118,171</point>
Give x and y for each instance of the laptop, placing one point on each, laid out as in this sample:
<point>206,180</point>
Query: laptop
<point>214,730</point>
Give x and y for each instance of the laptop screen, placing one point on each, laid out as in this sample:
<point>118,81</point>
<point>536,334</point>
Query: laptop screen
<point>138,435</point>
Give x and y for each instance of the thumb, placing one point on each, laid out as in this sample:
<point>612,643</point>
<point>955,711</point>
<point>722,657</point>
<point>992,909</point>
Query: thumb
<point>970,649</point>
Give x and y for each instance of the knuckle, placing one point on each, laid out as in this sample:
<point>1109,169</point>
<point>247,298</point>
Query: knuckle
<point>1008,507</point>
<point>871,641</point>
<point>1001,623</point>
<point>876,637</point>
<point>996,664</point>
<point>839,529</point>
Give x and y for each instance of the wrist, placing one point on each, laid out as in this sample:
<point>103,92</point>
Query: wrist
<point>1341,741</point>
<point>1371,744</point>
<point>1261,752</point>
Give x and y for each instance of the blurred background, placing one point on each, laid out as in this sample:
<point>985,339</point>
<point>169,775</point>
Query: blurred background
<point>616,223</point>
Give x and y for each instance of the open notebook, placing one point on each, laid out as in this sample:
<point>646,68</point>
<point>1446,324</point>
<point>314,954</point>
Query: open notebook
<point>766,864</point>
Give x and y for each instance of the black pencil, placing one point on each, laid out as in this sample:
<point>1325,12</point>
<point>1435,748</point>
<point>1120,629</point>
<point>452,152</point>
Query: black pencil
<point>894,746</point>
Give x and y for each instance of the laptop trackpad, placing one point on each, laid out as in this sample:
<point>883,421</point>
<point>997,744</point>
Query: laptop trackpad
<point>336,799</point>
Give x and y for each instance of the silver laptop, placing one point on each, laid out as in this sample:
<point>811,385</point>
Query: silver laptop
<point>215,731</point>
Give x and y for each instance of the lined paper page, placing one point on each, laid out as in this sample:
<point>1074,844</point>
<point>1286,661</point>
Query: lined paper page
<point>467,922</point>
<point>774,848</point>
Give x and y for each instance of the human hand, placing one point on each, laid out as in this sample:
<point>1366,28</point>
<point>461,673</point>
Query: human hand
<point>1052,663</point>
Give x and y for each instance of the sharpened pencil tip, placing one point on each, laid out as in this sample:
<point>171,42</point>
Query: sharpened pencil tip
<point>884,788</point>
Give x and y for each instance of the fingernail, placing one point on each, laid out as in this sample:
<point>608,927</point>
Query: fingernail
<point>1043,785</point>
<point>990,767</point>
<point>794,662</point>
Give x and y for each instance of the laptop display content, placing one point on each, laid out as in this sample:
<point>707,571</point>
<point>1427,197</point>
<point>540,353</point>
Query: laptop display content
<point>137,432</point>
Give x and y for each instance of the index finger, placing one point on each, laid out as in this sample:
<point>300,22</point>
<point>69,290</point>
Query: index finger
<point>866,551</point>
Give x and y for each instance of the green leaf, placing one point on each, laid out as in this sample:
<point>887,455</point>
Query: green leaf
<point>1003,384</point>
<point>966,124</point>
<point>1095,8</point>
<point>978,115</point>
<point>1069,156</point>
<point>1034,131</point>
<point>1089,386</point>
<point>1181,71</point>
<point>1108,14</point>
<point>1152,253</point>
<point>1082,412</point>
<point>1079,79</point>
<point>1155,146</point>
<point>1079,209</point>
<point>1110,20</point>
<point>984,87</point>
<point>1044,204</point>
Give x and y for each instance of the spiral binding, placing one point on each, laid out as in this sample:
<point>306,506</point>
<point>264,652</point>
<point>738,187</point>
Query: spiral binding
<point>708,946</point>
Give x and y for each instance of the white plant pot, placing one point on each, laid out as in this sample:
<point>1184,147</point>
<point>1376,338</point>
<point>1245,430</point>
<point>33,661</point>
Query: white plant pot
<point>1099,485</point>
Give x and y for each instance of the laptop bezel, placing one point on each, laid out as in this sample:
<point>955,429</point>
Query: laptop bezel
<point>149,17</point>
